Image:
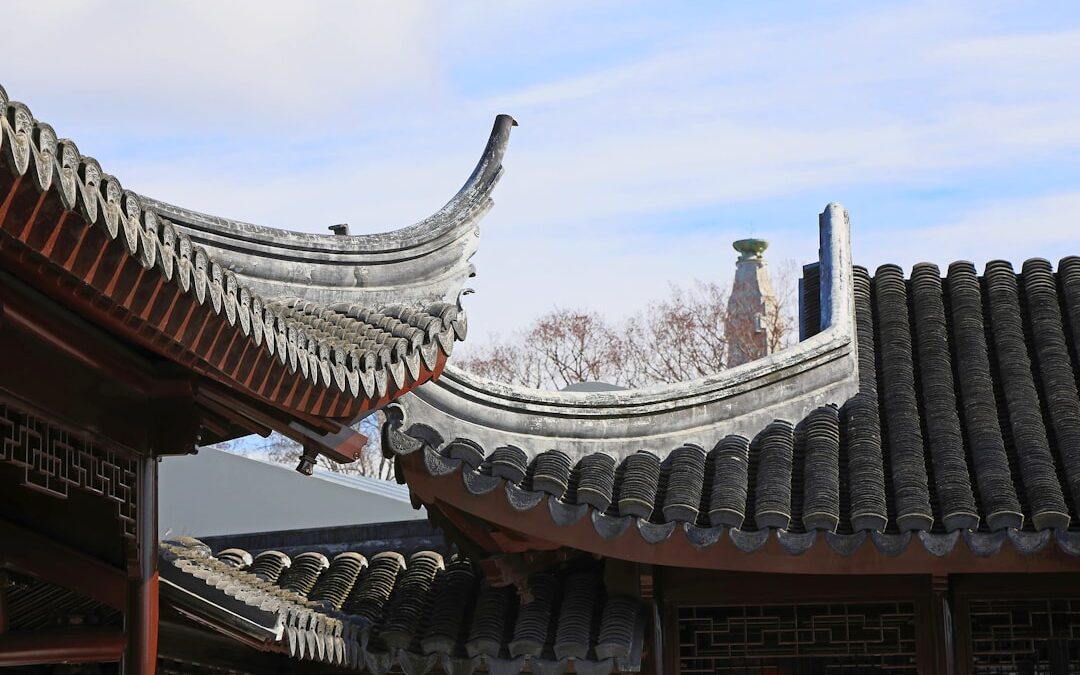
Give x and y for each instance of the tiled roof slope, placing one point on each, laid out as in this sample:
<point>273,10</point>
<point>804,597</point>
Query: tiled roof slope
<point>414,613</point>
<point>966,426</point>
<point>360,316</point>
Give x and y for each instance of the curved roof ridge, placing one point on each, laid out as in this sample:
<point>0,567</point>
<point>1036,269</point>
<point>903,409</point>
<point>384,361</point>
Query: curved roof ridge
<point>485,175</point>
<point>785,385</point>
<point>420,263</point>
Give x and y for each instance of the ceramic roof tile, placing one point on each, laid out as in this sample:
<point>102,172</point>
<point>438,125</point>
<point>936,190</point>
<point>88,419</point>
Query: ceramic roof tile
<point>967,422</point>
<point>358,612</point>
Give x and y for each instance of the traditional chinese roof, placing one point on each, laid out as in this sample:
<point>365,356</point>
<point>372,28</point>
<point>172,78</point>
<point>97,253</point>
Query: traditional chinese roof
<point>931,408</point>
<point>386,610</point>
<point>329,325</point>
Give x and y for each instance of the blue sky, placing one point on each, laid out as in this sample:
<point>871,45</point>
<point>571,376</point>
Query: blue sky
<point>652,134</point>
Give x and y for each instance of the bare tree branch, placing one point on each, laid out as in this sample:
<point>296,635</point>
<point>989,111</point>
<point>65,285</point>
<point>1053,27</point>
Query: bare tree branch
<point>678,338</point>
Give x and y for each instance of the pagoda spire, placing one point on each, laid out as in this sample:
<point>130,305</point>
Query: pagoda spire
<point>752,305</point>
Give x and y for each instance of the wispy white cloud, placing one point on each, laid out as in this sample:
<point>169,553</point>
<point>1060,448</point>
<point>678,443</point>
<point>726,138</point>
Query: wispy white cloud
<point>1042,226</point>
<point>177,68</point>
<point>374,113</point>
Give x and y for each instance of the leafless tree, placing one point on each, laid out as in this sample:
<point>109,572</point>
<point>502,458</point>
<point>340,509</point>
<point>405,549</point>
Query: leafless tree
<point>680,337</point>
<point>560,348</point>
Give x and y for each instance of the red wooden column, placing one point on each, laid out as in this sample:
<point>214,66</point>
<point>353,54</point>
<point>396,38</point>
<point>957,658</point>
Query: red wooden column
<point>141,618</point>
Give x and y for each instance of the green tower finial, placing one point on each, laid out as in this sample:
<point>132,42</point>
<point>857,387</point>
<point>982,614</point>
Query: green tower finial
<point>750,249</point>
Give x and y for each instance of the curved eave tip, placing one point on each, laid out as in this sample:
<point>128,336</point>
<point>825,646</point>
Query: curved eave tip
<point>503,118</point>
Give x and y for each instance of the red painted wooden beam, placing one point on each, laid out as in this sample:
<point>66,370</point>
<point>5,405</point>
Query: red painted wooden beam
<point>62,565</point>
<point>67,645</point>
<point>91,346</point>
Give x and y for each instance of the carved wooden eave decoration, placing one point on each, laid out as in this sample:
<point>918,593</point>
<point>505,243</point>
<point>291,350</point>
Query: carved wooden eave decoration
<point>316,326</point>
<point>932,422</point>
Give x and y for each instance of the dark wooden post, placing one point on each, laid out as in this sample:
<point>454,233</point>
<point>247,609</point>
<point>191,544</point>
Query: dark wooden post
<point>654,638</point>
<point>962,635</point>
<point>4,620</point>
<point>941,607</point>
<point>141,619</point>
<point>663,654</point>
<point>934,630</point>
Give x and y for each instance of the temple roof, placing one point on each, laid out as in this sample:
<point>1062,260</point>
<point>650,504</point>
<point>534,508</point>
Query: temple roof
<point>955,416</point>
<point>412,612</point>
<point>319,324</point>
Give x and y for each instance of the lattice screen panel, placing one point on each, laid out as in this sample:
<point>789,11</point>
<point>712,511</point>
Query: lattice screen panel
<point>53,461</point>
<point>797,639</point>
<point>1034,637</point>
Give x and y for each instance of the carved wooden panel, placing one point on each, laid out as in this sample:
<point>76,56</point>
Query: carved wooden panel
<point>790,639</point>
<point>54,461</point>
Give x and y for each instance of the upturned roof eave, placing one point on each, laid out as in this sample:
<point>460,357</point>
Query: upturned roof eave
<point>327,355</point>
<point>420,263</point>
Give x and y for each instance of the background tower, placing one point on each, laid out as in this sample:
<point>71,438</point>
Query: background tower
<point>752,306</point>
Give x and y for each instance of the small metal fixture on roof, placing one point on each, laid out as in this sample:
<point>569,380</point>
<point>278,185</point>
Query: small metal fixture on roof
<point>308,459</point>
<point>341,230</point>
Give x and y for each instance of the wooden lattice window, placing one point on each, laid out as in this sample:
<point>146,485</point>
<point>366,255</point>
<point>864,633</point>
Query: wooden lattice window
<point>797,639</point>
<point>53,460</point>
<point>1023,635</point>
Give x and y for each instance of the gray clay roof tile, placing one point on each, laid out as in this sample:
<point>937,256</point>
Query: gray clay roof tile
<point>356,612</point>
<point>965,426</point>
